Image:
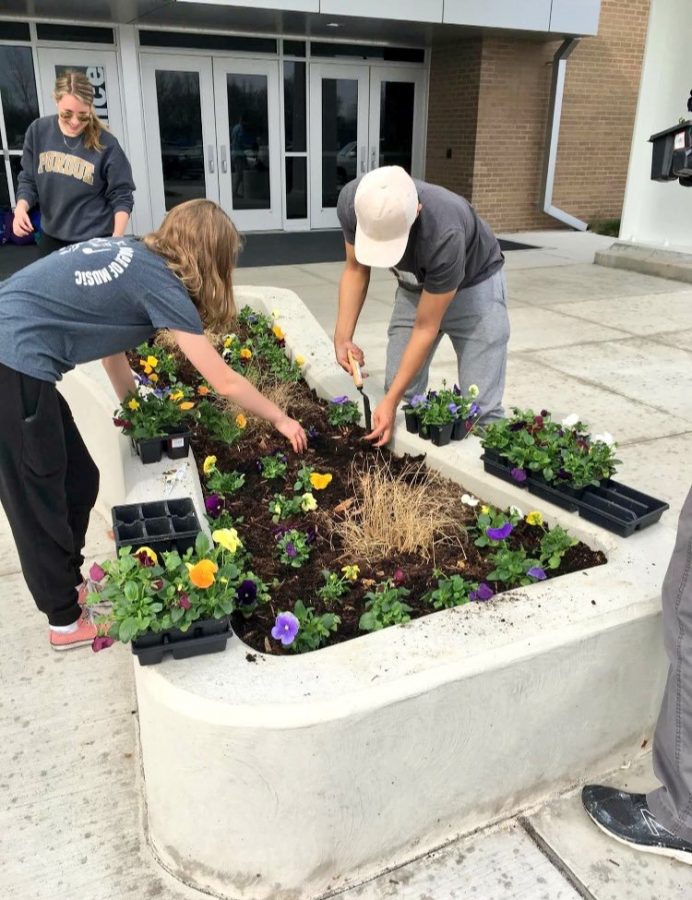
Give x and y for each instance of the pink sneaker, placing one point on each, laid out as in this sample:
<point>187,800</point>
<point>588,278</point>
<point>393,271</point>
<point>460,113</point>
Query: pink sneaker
<point>84,634</point>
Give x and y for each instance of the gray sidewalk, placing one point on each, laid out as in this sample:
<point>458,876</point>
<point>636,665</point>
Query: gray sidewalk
<point>614,346</point>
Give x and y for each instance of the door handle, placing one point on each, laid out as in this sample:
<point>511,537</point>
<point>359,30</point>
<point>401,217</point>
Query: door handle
<point>362,160</point>
<point>224,160</point>
<point>210,158</point>
<point>373,155</point>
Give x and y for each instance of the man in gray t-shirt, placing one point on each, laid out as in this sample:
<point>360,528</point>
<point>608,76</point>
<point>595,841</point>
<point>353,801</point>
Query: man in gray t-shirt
<point>448,265</point>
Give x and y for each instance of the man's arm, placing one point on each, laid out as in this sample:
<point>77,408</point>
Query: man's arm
<point>431,309</point>
<point>353,288</point>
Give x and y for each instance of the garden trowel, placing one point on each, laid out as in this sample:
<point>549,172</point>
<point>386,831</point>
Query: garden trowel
<point>358,381</point>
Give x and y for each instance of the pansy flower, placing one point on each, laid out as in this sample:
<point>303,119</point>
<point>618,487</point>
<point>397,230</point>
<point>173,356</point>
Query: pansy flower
<point>308,502</point>
<point>202,390</point>
<point>473,390</point>
<point>320,481</point>
<point>209,465</point>
<point>483,592</point>
<point>518,474</point>
<point>227,538</point>
<point>202,574</point>
<point>246,592</point>
<point>96,572</point>
<point>278,332</point>
<point>102,642</point>
<point>351,573</point>
<point>213,505</point>
<point>133,404</point>
<point>534,517</point>
<point>499,534</point>
<point>241,421</point>
<point>537,572</point>
<point>146,557</point>
<point>339,401</point>
<point>187,405</point>
<point>246,353</point>
<point>184,600</point>
<point>285,628</point>
<point>176,395</point>
<point>300,360</point>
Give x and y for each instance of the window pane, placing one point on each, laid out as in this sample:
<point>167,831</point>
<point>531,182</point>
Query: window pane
<point>296,187</point>
<point>339,136</point>
<point>396,123</point>
<point>249,139</point>
<point>18,91</point>
<point>294,48</point>
<point>16,168</point>
<point>4,193</point>
<point>294,106</point>
<point>180,127</point>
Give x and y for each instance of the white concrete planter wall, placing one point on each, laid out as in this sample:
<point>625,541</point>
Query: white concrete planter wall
<point>274,777</point>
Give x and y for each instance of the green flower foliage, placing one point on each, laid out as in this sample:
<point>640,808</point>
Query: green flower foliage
<point>385,606</point>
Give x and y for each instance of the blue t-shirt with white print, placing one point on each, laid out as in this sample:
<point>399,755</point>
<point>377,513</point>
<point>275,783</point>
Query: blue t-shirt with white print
<point>88,301</point>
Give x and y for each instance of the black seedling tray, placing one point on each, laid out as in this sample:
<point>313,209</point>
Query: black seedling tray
<point>619,508</point>
<point>560,497</point>
<point>176,443</point>
<point>162,525</point>
<point>495,465</point>
<point>204,636</point>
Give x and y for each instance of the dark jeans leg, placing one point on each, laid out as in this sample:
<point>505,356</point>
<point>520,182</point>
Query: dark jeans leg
<point>672,803</point>
<point>41,457</point>
<point>47,244</point>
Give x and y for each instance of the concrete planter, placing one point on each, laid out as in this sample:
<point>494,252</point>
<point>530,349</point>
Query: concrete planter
<point>331,767</point>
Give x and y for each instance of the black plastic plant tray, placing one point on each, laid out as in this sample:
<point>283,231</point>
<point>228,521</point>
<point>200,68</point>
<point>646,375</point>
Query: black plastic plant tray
<point>162,525</point>
<point>619,508</point>
<point>495,466</point>
<point>184,648</point>
<point>545,491</point>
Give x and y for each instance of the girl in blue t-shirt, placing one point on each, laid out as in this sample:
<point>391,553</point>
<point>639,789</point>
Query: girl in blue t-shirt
<point>89,301</point>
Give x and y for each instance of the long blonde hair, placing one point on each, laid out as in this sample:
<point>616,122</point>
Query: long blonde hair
<point>76,84</point>
<point>200,245</point>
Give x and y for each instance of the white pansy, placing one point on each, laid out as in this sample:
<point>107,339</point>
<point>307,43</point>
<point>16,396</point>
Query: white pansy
<point>469,500</point>
<point>473,390</point>
<point>605,438</point>
<point>515,511</point>
<point>570,421</point>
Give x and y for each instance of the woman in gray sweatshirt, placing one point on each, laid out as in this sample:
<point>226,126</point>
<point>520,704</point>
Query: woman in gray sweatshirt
<point>76,170</point>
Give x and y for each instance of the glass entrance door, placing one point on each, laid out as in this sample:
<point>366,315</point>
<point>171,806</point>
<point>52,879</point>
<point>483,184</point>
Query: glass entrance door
<point>361,118</point>
<point>247,127</point>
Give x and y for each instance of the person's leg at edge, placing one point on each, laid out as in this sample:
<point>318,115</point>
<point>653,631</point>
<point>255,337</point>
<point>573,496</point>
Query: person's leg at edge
<point>398,334</point>
<point>478,326</point>
<point>33,477</point>
<point>661,821</point>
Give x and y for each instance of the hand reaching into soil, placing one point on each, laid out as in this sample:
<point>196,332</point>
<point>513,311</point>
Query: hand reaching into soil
<point>293,431</point>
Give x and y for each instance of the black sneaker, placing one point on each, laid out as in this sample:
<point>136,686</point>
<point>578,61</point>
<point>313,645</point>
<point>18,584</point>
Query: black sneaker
<point>627,818</point>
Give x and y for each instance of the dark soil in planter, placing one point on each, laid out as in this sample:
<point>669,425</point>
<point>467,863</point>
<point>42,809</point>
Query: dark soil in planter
<point>339,452</point>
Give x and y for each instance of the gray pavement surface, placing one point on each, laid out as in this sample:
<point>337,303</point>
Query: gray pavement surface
<point>612,345</point>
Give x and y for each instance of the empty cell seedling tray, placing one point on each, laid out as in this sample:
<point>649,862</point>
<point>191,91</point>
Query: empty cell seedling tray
<point>619,508</point>
<point>162,525</point>
<point>203,636</point>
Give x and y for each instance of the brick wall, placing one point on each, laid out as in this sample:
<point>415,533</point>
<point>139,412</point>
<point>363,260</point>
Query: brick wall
<point>489,105</point>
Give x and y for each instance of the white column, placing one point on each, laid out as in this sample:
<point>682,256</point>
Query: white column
<point>659,213</point>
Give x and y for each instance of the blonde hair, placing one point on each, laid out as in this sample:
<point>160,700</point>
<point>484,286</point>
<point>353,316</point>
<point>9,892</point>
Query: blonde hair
<point>200,245</point>
<point>77,85</point>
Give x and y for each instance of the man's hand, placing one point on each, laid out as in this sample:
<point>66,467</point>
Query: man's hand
<point>382,423</point>
<point>341,348</point>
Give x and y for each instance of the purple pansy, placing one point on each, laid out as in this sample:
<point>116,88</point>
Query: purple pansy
<point>280,531</point>
<point>474,409</point>
<point>483,592</point>
<point>101,642</point>
<point>339,401</point>
<point>184,600</point>
<point>517,426</point>
<point>312,433</point>
<point>499,534</point>
<point>246,592</point>
<point>518,474</point>
<point>285,628</point>
<point>537,572</point>
<point>213,505</point>
<point>311,535</point>
<point>290,550</point>
<point>96,573</point>
<point>453,408</point>
<point>418,400</point>
<point>122,423</point>
<point>399,577</point>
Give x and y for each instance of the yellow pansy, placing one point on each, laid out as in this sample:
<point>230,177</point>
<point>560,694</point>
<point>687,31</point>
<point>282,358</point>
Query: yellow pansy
<point>147,551</point>
<point>320,482</point>
<point>228,340</point>
<point>300,360</point>
<point>276,313</point>
<point>240,420</point>
<point>133,404</point>
<point>152,361</point>
<point>154,377</point>
<point>187,405</point>
<point>278,332</point>
<point>245,353</point>
<point>351,573</point>
<point>176,395</point>
<point>209,464</point>
<point>485,510</point>
<point>227,538</point>
<point>534,518</point>
<point>308,502</point>
<point>202,573</point>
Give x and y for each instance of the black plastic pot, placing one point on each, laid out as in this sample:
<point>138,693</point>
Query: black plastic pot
<point>149,449</point>
<point>203,636</point>
<point>441,435</point>
<point>619,508</point>
<point>178,441</point>
<point>162,525</point>
<point>462,428</point>
<point>411,417</point>
<point>423,430</point>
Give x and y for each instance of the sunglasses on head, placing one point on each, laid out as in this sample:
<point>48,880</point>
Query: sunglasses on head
<point>67,114</point>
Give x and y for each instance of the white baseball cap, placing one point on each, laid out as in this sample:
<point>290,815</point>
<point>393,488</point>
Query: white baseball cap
<point>386,205</point>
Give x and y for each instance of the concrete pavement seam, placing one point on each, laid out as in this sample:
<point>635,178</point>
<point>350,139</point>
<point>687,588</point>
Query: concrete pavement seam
<point>556,861</point>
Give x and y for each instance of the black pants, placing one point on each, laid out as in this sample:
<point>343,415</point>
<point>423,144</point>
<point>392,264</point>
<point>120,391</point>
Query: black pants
<point>48,487</point>
<point>47,244</point>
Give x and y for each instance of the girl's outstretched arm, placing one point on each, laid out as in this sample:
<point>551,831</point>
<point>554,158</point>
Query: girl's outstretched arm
<point>120,374</point>
<point>229,383</point>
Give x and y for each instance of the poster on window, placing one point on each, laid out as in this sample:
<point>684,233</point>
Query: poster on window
<point>97,79</point>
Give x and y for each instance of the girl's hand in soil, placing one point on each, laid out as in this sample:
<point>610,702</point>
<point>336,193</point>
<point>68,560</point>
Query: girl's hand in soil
<point>382,423</point>
<point>293,431</point>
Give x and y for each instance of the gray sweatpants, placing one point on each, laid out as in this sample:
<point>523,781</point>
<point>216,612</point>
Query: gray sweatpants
<point>477,323</point>
<point>672,803</point>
